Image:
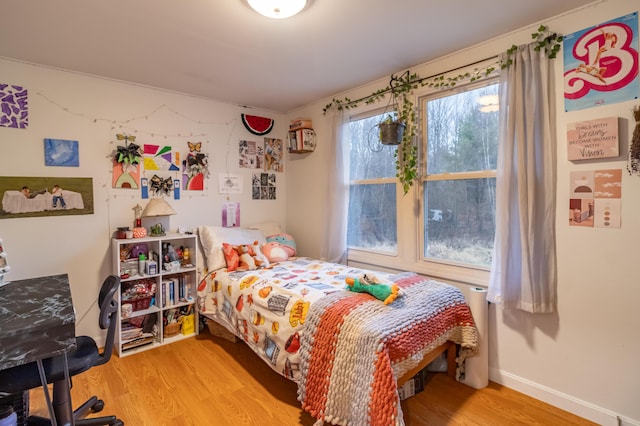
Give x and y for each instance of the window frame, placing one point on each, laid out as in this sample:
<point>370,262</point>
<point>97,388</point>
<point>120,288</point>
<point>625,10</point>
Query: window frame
<point>425,177</point>
<point>410,225</point>
<point>364,252</point>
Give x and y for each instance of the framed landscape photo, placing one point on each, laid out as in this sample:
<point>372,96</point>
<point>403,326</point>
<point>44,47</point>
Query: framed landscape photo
<point>29,196</point>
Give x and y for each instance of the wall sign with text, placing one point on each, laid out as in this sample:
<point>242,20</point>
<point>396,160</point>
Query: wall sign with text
<point>588,140</point>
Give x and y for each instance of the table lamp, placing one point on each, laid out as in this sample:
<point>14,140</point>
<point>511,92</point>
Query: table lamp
<point>156,214</point>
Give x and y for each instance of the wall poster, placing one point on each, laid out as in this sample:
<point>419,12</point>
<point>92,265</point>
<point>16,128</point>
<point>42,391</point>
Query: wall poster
<point>263,186</point>
<point>601,64</point>
<point>161,157</point>
<point>251,155</point>
<point>59,152</point>
<point>596,198</point>
<point>14,106</point>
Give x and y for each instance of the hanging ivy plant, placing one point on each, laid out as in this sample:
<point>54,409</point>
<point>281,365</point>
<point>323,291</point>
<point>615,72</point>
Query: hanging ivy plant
<point>401,89</point>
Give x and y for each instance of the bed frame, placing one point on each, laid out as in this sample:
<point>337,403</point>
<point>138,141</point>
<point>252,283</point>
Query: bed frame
<point>449,347</point>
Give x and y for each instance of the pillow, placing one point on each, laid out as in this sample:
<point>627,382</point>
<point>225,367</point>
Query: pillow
<point>212,237</point>
<point>275,252</point>
<point>243,257</point>
<point>268,228</point>
<point>286,241</point>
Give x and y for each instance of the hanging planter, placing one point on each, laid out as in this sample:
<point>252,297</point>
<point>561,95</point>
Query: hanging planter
<point>391,132</point>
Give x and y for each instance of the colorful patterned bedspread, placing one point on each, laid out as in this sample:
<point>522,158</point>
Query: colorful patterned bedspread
<point>345,350</point>
<point>268,308</point>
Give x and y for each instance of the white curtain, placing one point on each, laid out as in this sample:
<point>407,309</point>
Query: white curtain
<point>523,271</point>
<point>334,248</point>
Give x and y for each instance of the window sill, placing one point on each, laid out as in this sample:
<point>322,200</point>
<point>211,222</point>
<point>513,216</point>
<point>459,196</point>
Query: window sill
<point>442,271</point>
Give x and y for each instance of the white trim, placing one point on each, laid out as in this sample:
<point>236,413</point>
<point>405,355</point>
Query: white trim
<point>561,400</point>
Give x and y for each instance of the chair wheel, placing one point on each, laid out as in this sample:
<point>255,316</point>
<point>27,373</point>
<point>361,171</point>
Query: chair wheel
<point>118,423</point>
<point>98,406</point>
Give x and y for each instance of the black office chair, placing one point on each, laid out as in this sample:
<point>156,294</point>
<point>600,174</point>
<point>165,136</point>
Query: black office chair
<point>86,355</point>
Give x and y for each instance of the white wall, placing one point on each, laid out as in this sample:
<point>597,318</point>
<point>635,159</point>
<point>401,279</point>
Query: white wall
<point>584,358</point>
<point>63,105</point>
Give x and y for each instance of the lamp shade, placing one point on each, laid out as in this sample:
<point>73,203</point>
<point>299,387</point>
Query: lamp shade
<point>158,207</point>
<point>278,9</point>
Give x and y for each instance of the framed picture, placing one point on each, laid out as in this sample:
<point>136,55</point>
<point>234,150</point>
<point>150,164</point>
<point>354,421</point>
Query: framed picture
<point>59,152</point>
<point>26,196</point>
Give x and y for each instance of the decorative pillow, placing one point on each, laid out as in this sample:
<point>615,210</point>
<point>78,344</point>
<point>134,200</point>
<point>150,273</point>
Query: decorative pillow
<point>243,257</point>
<point>212,237</point>
<point>286,240</point>
<point>275,252</point>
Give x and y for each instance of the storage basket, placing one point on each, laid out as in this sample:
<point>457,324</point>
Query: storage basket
<point>139,303</point>
<point>171,329</point>
<point>219,331</point>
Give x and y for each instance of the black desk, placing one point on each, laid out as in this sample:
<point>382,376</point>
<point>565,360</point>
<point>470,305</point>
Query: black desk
<point>37,320</point>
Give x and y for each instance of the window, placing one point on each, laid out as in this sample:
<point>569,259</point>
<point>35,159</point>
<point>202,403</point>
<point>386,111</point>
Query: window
<point>459,180</point>
<point>372,190</point>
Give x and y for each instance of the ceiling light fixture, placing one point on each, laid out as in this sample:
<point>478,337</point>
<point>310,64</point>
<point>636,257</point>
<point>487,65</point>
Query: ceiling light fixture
<point>277,9</point>
<point>489,103</point>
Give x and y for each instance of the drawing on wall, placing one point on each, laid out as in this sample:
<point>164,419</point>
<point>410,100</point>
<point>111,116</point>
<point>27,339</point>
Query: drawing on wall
<point>14,106</point>
<point>195,168</point>
<point>592,139</point>
<point>251,155</point>
<point>45,196</point>
<point>58,152</point>
<point>161,157</point>
<point>273,158</point>
<point>263,186</point>
<point>596,198</point>
<point>601,64</point>
<point>231,214</point>
<point>229,183</point>
<point>126,163</point>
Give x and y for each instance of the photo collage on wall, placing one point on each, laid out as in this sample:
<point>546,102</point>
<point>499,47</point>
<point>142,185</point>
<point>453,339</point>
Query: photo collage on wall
<point>267,155</point>
<point>263,186</point>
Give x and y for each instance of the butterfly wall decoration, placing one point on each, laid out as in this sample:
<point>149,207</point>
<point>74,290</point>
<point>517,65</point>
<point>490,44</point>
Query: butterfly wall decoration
<point>195,167</point>
<point>129,153</point>
<point>159,185</point>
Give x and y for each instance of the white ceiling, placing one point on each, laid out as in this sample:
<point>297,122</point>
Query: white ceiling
<point>223,50</point>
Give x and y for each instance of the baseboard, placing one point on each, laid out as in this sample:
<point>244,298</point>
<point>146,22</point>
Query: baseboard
<point>561,400</point>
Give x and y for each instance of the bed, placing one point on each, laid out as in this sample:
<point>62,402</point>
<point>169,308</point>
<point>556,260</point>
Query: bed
<point>16,202</point>
<point>347,351</point>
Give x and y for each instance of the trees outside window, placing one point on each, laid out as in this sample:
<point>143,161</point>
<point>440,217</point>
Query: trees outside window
<point>372,223</point>
<point>455,218</point>
<point>458,184</point>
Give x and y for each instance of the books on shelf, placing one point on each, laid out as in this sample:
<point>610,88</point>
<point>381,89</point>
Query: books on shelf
<point>302,140</point>
<point>176,290</point>
<point>143,339</point>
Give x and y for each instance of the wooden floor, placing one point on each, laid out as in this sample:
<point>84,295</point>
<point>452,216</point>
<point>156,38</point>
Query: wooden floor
<point>208,381</point>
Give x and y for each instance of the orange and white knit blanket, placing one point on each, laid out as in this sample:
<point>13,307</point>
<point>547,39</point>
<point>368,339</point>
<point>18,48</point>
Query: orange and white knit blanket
<point>355,347</point>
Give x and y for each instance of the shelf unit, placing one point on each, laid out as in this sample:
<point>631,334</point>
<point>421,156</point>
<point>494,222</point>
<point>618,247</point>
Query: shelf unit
<point>301,140</point>
<point>144,320</point>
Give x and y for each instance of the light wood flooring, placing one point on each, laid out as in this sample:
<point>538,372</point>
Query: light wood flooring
<point>206,381</point>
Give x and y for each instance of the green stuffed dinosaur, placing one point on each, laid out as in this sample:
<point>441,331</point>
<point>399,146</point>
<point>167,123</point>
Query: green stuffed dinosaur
<point>370,284</point>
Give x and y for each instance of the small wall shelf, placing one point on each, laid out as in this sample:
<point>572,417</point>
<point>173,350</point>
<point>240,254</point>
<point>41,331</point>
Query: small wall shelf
<point>301,140</point>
